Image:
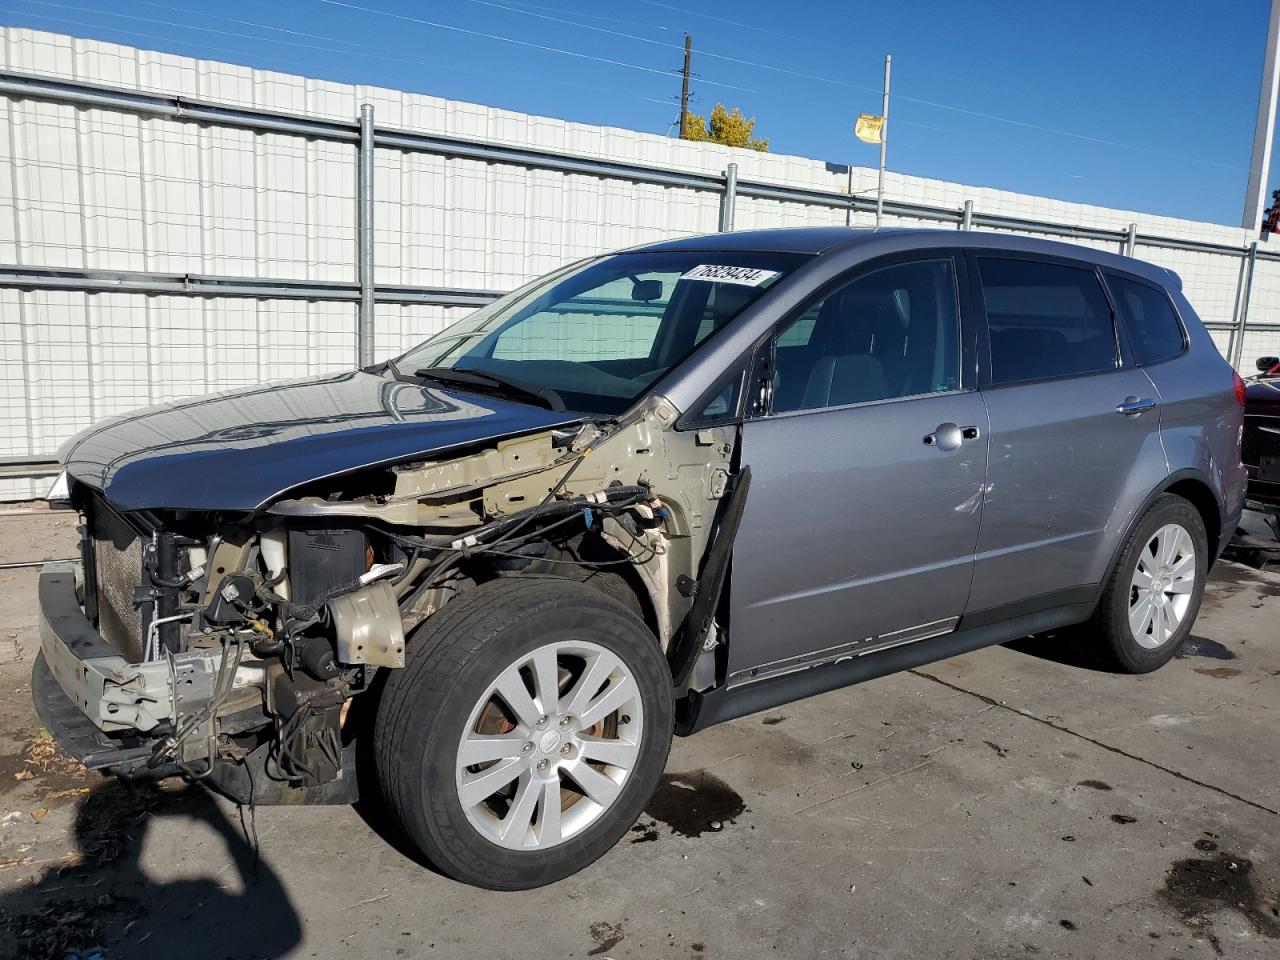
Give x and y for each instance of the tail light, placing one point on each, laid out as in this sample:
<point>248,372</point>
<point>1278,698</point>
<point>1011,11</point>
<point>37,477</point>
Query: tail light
<point>1240,398</point>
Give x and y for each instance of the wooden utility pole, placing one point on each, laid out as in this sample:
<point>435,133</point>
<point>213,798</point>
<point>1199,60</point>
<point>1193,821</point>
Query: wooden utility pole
<point>684,84</point>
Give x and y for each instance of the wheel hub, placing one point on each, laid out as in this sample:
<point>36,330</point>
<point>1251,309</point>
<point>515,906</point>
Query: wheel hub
<point>550,742</point>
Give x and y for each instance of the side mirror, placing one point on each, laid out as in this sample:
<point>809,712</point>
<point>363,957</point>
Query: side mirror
<point>646,291</point>
<point>1265,364</point>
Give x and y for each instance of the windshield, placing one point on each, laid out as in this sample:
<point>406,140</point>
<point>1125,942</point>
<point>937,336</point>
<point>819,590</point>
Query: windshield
<point>599,334</point>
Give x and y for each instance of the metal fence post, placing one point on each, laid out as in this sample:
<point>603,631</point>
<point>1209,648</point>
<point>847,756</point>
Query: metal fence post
<point>364,202</point>
<point>1130,239</point>
<point>1237,346</point>
<point>966,219</point>
<point>1235,307</point>
<point>730,197</point>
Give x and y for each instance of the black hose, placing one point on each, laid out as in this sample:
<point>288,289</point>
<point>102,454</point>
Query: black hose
<point>612,495</point>
<point>551,495</point>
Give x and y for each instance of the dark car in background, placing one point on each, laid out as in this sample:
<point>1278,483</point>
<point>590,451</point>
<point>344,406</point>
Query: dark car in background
<point>1261,448</point>
<point>1257,539</point>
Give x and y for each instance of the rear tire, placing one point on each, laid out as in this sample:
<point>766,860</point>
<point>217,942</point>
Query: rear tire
<point>562,699</point>
<point>1150,601</point>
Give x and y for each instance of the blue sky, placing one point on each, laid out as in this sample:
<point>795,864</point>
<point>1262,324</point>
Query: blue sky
<point>1141,104</point>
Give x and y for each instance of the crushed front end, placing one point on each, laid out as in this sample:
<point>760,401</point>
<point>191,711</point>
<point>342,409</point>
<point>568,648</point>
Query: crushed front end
<point>235,647</point>
<point>168,649</point>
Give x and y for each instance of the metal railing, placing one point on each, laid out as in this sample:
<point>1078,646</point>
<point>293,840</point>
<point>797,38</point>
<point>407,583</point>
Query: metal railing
<point>28,468</point>
<point>365,136</point>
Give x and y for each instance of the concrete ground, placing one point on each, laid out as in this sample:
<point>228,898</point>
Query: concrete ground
<point>1008,803</point>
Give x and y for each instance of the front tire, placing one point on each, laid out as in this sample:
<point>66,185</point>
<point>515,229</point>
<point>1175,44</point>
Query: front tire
<point>526,732</point>
<point>1150,602</point>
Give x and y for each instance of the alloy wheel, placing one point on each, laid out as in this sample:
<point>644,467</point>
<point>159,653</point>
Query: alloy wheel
<point>1164,580</point>
<point>549,745</point>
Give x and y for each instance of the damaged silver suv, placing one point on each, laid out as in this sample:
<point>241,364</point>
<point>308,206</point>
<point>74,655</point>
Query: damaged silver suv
<point>650,492</point>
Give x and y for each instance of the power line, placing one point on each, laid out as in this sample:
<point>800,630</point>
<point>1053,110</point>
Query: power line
<point>512,40</point>
<point>296,43</point>
<point>309,46</point>
<point>573,23</point>
<point>921,101</point>
<point>248,23</point>
<point>184,26</point>
<point>809,41</point>
<point>674,46</point>
<point>596,16</point>
<point>81,25</point>
<point>1087,138</point>
<point>684,11</point>
<point>1067,133</point>
<point>847,84</point>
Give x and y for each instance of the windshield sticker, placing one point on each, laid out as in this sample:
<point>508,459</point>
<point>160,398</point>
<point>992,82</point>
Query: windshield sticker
<point>745,276</point>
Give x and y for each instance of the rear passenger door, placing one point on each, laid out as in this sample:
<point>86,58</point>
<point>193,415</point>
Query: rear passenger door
<point>867,464</point>
<point>1190,384</point>
<point>1075,438</point>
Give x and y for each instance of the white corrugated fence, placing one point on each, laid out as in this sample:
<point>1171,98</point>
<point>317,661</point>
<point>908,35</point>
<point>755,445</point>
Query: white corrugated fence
<point>137,182</point>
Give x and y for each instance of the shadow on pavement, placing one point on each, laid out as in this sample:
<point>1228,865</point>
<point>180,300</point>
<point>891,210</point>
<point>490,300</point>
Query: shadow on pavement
<point>101,897</point>
<point>371,807</point>
<point>1066,647</point>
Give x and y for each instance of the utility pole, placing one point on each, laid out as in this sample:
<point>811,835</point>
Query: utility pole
<point>884,138</point>
<point>1265,128</point>
<point>684,84</point>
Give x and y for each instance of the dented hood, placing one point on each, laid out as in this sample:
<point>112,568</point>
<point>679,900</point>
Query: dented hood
<point>238,451</point>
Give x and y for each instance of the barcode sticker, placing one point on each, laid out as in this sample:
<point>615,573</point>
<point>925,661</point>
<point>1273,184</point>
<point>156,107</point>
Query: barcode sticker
<point>745,276</point>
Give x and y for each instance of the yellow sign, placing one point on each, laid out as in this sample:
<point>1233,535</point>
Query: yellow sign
<point>869,128</point>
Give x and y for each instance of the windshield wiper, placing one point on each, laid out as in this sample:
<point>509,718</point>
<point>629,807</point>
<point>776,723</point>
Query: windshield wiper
<point>493,382</point>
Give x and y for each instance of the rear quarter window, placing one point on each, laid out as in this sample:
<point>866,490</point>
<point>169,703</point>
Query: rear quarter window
<point>1149,320</point>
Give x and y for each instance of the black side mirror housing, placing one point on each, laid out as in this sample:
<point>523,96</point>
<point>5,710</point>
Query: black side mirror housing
<point>1264,364</point>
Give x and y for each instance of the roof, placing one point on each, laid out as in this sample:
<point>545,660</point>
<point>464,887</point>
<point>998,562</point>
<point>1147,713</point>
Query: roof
<point>826,240</point>
<point>782,240</point>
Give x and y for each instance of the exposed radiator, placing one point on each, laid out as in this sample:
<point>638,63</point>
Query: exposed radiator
<point>117,551</point>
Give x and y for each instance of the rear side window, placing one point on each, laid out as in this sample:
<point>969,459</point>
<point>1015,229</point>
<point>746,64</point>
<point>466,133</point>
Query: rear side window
<point>1046,320</point>
<point>1149,321</point>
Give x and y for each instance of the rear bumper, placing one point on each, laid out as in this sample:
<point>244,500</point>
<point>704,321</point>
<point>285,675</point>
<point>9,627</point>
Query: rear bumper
<point>1264,491</point>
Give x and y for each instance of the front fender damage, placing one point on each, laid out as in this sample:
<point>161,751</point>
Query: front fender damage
<point>287,617</point>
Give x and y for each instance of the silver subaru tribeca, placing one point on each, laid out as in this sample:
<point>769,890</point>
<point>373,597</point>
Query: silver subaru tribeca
<point>650,492</point>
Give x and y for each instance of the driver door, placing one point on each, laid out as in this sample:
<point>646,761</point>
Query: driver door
<point>868,466</point>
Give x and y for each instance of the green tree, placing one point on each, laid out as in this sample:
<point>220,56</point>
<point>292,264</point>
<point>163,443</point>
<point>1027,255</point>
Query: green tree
<point>730,129</point>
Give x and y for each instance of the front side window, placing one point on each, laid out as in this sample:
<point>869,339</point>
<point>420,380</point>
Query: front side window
<point>1153,328</point>
<point>599,334</point>
<point>1045,320</point>
<point>893,332</point>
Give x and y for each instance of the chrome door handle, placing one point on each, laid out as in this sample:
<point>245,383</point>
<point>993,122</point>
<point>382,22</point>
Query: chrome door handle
<point>949,436</point>
<point>1133,406</point>
<point>946,437</point>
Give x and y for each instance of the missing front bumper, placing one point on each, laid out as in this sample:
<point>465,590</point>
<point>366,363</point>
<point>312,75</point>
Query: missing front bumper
<point>112,693</point>
<point>75,734</point>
